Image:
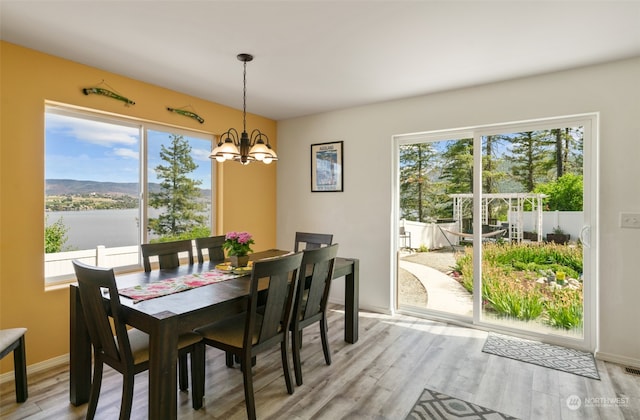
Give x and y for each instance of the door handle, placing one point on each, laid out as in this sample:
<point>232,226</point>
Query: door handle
<point>585,236</point>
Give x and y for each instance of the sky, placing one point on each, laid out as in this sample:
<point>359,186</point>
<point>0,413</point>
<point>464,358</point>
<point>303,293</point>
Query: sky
<point>84,149</point>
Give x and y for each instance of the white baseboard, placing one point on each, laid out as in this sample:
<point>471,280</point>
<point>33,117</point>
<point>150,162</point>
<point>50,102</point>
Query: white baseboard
<point>615,358</point>
<point>37,367</point>
<point>378,309</point>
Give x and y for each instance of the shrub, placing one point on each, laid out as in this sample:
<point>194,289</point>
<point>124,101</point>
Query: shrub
<point>517,299</point>
<point>564,308</point>
<point>509,287</point>
<point>196,232</point>
<point>55,237</point>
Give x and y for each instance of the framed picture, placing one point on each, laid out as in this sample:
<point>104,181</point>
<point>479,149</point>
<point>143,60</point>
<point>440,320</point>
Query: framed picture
<point>326,167</point>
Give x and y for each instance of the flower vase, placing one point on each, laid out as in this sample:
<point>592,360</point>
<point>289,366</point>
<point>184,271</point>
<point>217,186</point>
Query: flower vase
<point>239,260</point>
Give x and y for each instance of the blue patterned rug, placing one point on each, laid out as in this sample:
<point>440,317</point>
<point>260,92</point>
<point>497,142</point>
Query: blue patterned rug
<point>433,405</point>
<point>541,354</point>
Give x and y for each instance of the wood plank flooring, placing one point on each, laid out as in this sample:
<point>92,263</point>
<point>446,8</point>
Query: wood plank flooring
<point>380,377</point>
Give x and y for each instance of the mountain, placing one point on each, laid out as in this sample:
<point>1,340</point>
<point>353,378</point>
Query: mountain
<point>73,186</point>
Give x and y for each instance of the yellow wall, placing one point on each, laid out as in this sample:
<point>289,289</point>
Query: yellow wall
<point>246,195</point>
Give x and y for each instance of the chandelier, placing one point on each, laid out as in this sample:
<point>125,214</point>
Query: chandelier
<point>244,148</point>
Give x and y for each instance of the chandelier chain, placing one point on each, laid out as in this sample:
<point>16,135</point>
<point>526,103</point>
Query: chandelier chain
<point>244,98</point>
<point>242,147</point>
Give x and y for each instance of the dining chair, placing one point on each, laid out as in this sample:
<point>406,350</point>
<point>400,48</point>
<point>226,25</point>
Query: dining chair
<point>126,349</point>
<point>168,253</point>
<point>12,340</point>
<point>213,245</point>
<point>311,240</point>
<point>311,301</point>
<point>254,331</point>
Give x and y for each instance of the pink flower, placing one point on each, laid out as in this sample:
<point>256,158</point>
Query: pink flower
<point>238,243</point>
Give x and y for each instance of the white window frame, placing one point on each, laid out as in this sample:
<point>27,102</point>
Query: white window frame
<point>95,255</point>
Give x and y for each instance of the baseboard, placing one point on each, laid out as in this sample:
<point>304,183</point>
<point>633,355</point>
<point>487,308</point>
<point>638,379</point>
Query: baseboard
<point>615,358</point>
<point>37,367</point>
<point>369,308</point>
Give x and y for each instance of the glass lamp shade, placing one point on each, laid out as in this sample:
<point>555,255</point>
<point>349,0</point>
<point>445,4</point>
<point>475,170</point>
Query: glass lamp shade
<point>260,150</point>
<point>225,151</point>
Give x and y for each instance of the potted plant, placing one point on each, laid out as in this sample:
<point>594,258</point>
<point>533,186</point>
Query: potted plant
<point>238,246</point>
<point>558,236</point>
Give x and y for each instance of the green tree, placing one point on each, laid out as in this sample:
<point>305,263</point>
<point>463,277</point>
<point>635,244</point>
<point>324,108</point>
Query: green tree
<point>569,150</point>
<point>492,174</point>
<point>415,184</point>
<point>179,195</point>
<point>564,194</point>
<point>55,236</point>
<point>531,158</point>
<point>457,169</point>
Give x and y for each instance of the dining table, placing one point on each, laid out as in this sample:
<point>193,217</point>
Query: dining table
<point>166,317</point>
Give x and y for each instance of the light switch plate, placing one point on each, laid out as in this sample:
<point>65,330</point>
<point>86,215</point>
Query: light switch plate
<point>630,220</point>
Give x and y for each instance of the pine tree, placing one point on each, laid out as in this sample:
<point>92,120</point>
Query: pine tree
<point>178,195</point>
<point>531,157</point>
<point>458,166</point>
<point>422,195</point>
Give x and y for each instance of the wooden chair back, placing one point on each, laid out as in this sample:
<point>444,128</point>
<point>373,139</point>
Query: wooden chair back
<point>168,253</point>
<point>213,245</point>
<point>311,240</point>
<point>92,281</point>
<point>313,294</point>
<point>282,275</point>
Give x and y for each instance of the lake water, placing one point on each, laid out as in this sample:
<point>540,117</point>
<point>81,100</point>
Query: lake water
<point>90,228</point>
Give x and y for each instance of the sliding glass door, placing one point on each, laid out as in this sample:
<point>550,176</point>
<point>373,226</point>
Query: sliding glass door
<point>513,206</point>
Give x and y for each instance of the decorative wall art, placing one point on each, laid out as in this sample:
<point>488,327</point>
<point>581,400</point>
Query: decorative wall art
<point>186,113</point>
<point>108,93</point>
<point>326,167</point>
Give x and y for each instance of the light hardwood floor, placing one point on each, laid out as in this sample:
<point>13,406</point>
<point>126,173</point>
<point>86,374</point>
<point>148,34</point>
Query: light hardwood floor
<point>380,377</point>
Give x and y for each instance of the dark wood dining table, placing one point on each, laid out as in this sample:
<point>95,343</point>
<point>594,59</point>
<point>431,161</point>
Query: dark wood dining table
<point>164,318</point>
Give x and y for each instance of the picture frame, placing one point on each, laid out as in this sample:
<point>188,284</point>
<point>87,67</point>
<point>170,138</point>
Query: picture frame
<point>327,167</point>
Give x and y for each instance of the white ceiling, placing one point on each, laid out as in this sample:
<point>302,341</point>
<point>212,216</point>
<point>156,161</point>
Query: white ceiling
<point>315,56</point>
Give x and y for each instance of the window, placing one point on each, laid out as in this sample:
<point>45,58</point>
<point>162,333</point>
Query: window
<point>113,183</point>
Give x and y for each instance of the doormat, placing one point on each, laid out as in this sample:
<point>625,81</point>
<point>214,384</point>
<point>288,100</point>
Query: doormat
<point>433,405</point>
<point>541,354</point>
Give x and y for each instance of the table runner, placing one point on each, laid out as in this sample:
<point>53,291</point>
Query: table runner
<point>170,286</point>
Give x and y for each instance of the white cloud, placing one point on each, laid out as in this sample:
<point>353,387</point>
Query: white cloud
<point>94,132</point>
<point>201,155</point>
<point>126,153</point>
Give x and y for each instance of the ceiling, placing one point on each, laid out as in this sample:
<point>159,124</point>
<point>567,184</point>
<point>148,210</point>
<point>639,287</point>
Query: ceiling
<point>316,56</point>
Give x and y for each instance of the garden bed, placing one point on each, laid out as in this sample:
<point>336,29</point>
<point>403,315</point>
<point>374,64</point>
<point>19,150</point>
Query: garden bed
<point>516,282</point>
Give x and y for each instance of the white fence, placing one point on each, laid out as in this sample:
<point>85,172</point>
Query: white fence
<point>427,235</point>
<point>58,266</point>
<point>570,222</point>
<point>431,237</point>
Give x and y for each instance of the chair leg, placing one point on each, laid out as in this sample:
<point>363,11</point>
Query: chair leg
<point>284,351</point>
<point>20,371</point>
<point>297,364</point>
<point>325,340</point>
<point>247,376</point>
<point>197,375</point>
<point>229,359</point>
<point>95,389</point>
<point>127,396</point>
<point>183,375</point>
